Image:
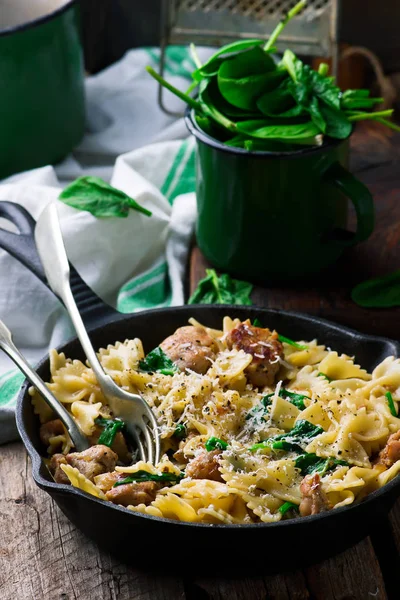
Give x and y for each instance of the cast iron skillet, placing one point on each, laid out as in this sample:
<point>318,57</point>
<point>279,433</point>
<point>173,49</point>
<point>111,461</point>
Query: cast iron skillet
<point>211,548</point>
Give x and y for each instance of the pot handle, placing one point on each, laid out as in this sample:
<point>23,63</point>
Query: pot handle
<point>362,200</point>
<point>22,246</point>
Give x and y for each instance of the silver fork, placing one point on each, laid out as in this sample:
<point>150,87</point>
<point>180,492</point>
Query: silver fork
<point>131,408</point>
<point>78,438</point>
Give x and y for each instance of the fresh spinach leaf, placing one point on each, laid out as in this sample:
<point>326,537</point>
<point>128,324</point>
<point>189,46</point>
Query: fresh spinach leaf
<point>215,98</point>
<point>287,340</point>
<point>145,476</point>
<point>111,427</point>
<point>288,506</point>
<point>311,463</point>
<point>246,77</point>
<point>360,103</point>
<point>248,100</point>
<point>301,435</point>
<point>99,198</point>
<point>382,292</point>
<point>337,124</point>
<point>211,66</point>
<point>157,360</point>
<point>301,133</point>
<point>221,290</point>
<point>210,110</point>
<point>391,405</point>
<point>279,103</point>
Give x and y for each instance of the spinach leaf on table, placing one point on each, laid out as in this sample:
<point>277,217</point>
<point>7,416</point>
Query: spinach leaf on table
<point>158,361</point>
<point>221,290</point>
<point>381,292</point>
<point>99,198</point>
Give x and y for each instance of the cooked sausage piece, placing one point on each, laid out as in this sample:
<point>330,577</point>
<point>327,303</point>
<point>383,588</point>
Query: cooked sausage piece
<point>205,466</point>
<point>314,500</point>
<point>93,461</point>
<point>391,452</point>
<point>190,348</point>
<point>56,470</point>
<point>51,429</point>
<point>265,349</point>
<point>133,494</point>
<point>119,445</point>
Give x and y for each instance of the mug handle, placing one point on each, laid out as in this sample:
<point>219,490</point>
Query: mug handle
<point>361,198</point>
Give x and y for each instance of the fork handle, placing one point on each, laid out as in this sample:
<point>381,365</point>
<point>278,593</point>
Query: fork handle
<point>7,345</point>
<point>22,246</point>
<point>51,249</point>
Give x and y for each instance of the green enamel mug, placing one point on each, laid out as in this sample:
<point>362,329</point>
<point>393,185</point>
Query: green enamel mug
<point>42,109</point>
<point>277,216</point>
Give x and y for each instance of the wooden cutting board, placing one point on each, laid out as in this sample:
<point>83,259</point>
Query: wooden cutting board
<point>375,159</point>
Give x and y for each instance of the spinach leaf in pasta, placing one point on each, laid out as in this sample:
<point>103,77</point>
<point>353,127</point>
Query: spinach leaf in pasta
<point>158,361</point>
<point>391,405</point>
<point>214,443</point>
<point>301,435</point>
<point>259,411</point>
<point>111,427</point>
<point>99,198</point>
<point>180,431</point>
<point>324,375</point>
<point>311,463</point>
<point>286,340</point>
<point>221,290</point>
<point>146,476</point>
<point>282,338</point>
<point>292,397</point>
<point>288,506</point>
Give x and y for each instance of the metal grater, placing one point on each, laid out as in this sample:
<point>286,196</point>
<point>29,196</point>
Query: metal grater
<point>215,22</point>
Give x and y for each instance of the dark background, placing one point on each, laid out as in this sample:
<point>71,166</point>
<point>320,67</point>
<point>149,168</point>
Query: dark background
<point>111,27</point>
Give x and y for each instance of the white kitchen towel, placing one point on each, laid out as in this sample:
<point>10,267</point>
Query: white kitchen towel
<point>134,263</point>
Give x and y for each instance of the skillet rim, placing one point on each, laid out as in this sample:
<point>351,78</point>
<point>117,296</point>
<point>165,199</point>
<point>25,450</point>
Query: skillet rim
<point>63,489</point>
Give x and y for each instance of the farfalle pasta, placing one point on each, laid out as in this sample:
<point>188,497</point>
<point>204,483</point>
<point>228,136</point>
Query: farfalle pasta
<point>254,427</point>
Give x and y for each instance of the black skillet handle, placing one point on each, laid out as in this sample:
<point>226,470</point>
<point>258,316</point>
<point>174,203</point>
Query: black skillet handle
<point>94,311</point>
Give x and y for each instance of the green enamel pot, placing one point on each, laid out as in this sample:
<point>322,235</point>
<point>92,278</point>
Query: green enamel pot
<point>42,108</point>
<point>268,216</point>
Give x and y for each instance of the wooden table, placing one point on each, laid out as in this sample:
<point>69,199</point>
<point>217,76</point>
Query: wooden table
<point>43,556</point>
